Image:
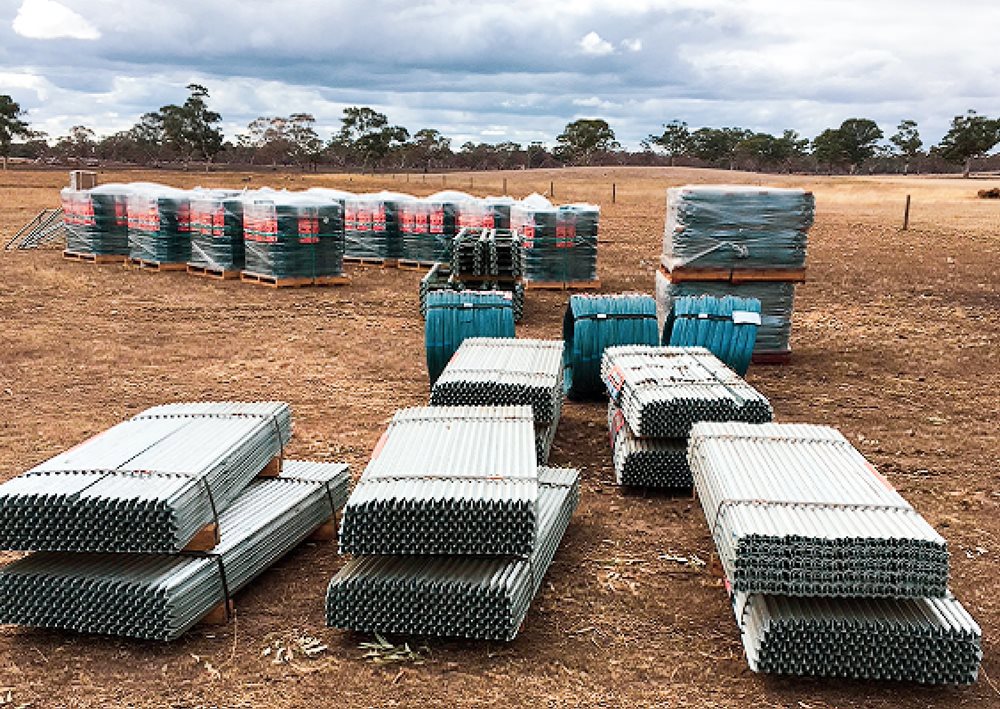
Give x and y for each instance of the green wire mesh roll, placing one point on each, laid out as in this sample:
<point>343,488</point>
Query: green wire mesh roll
<point>96,220</point>
<point>293,236</point>
<point>453,316</point>
<point>428,225</point>
<point>726,327</point>
<point>159,223</point>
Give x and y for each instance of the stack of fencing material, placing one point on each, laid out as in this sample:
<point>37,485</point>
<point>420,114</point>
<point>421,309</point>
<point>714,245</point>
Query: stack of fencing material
<point>593,323</point>
<point>452,316</point>
<point>429,225</point>
<point>744,241</point>
<point>293,238</point>
<point>657,394</point>
<point>559,244</point>
<point>833,572</point>
<point>372,226</point>
<point>159,226</point>
<point>486,213</point>
<point>148,484</point>
<point>452,526</point>
<point>96,221</point>
<point>440,278</point>
<point>160,596</point>
<point>504,372</point>
<point>217,246</point>
<point>726,326</point>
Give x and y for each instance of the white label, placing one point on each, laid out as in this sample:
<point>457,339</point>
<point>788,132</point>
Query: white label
<point>746,317</point>
<point>602,316</point>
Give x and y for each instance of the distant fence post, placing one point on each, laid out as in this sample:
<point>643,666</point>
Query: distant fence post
<point>614,193</point>
<point>906,214</point>
<point>504,186</point>
<point>444,180</point>
<point>552,189</point>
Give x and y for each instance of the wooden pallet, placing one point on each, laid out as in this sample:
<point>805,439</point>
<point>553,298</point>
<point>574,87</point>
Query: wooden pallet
<point>484,279</point>
<point>219,615</point>
<point>216,273</point>
<point>155,266</point>
<point>562,285</point>
<point>205,540</point>
<point>383,262</point>
<point>772,357</point>
<point>326,532</point>
<point>736,275</point>
<point>272,469</point>
<point>274,282</point>
<point>409,265</point>
<point>94,258</point>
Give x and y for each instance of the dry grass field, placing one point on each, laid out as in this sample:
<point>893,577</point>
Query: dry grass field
<point>895,343</point>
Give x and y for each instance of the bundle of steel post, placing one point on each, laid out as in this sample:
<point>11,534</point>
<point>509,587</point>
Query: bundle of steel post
<point>96,220</point>
<point>149,484</point>
<point>453,596</point>
<point>453,316</point>
<point>372,225</point>
<point>646,462</point>
<point>217,231</point>
<point>593,323</point>
<point>293,236</point>
<point>160,596</point>
<point>428,225</point>
<point>726,326</point>
<point>448,480</point>
<point>485,253</point>
<point>506,371</point>
<point>663,391</point>
<point>159,224</point>
<point>558,244</point>
<point>833,573</point>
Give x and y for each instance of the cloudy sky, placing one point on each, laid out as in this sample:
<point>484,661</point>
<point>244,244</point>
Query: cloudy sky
<point>515,70</point>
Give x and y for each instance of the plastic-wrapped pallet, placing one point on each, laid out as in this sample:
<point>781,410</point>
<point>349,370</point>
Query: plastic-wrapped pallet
<point>469,597</point>
<point>159,223</point>
<point>486,213</point>
<point>217,230</point>
<point>558,244</point>
<point>736,226</point>
<point>776,304</point>
<point>96,220</point>
<point>795,509</point>
<point>428,225</point>
<point>293,235</point>
<point>372,225</point>
<point>448,480</point>
<point>160,596</point>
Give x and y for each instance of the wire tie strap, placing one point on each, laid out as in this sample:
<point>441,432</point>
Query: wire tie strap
<point>616,316</point>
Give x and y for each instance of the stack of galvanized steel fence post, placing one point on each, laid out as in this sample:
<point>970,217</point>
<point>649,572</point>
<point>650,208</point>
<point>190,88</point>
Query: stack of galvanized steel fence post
<point>503,372</point>
<point>146,528</point>
<point>832,572</point>
<point>737,240</point>
<point>656,395</point>
<point>452,526</point>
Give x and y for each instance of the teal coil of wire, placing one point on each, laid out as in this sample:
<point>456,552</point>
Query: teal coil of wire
<point>726,326</point>
<point>595,322</point>
<point>453,316</point>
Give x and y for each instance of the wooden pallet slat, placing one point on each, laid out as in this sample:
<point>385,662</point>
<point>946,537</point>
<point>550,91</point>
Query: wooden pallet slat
<point>205,540</point>
<point>411,265</point>
<point>94,258</point>
<point>295,282</point>
<point>214,273</point>
<point>326,532</point>
<point>685,274</point>
<point>563,285</point>
<point>155,266</point>
<point>366,261</point>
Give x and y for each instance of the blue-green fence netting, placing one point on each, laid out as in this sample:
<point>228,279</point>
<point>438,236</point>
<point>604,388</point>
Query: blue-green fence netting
<point>726,326</point>
<point>372,225</point>
<point>453,316</point>
<point>293,236</point>
<point>558,244</point>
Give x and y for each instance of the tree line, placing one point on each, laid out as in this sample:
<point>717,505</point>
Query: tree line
<point>190,133</point>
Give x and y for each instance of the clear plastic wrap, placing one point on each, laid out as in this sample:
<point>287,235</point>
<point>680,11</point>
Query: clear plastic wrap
<point>159,223</point>
<point>293,235</point>
<point>776,305</point>
<point>428,225</point>
<point>559,244</point>
<point>736,226</point>
<point>372,225</point>
<point>96,220</point>
<point>487,213</point>
<point>217,230</point>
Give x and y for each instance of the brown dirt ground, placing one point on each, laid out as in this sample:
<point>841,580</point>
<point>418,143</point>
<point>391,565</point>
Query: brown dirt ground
<point>895,341</point>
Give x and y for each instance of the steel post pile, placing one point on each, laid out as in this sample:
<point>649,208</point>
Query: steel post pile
<point>96,220</point>
<point>726,326</point>
<point>293,235</point>
<point>159,596</point>
<point>148,484</point>
<point>503,371</point>
<point>925,640</point>
<point>663,391</point>
<point>448,480</point>
<point>593,323</point>
<point>453,316</point>
<point>479,598</point>
<point>646,462</point>
<point>795,509</point>
<point>480,252</point>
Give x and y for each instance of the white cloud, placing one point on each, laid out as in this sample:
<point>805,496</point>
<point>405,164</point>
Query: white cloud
<point>632,44</point>
<point>47,19</point>
<point>591,43</point>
